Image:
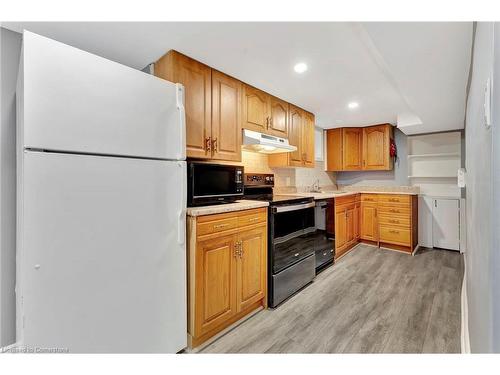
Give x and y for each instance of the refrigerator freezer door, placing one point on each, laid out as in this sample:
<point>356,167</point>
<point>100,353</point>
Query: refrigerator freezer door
<point>102,260</point>
<point>78,102</point>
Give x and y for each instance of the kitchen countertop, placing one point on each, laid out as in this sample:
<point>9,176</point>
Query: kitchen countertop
<point>225,207</point>
<point>332,194</point>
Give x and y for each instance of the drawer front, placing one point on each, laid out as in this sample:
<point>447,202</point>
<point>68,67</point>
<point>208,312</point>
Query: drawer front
<point>215,226</point>
<point>369,198</point>
<point>345,200</point>
<point>401,221</point>
<point>285,283</point>
<point>394,198</point>
<point>398,236</point>
<point>392,210</point>
<point>253,218</point>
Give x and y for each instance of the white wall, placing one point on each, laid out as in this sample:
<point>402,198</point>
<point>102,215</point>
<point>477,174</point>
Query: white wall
<point>479,197</point>
<point>9,61</point>
<point>398,176</point>
<point>495,256</point>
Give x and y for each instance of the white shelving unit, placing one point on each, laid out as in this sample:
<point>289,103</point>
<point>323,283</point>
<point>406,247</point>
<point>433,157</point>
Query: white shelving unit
<point>433,162</point>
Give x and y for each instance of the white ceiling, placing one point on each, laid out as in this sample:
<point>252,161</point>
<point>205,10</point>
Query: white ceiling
<point>414,72</point>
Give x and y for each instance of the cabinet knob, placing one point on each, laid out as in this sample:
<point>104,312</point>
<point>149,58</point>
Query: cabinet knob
<point>208,144</point>
<point>214,145</point>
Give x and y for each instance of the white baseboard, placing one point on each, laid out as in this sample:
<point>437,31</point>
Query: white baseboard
<point>464,329</point>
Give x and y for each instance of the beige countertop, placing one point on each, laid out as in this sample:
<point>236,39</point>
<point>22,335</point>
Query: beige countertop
<point>225,207</point>
<point>333,194</point>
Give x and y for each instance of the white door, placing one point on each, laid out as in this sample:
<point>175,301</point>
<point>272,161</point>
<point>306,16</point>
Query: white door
<point>79,102</point>
<point>102,264</point>
<point>446,224</point>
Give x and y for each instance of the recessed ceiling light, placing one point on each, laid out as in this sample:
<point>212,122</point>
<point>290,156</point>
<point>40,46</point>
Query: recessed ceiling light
<point>300,67</point>
<point>353,105</point>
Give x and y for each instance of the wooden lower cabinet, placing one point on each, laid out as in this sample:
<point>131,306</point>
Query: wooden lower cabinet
<point>346,224</point>
<point>369,223</point>
<point>227,276</point>
<point>251,280</point>
<point>216,277</point>
<point>387,220</point>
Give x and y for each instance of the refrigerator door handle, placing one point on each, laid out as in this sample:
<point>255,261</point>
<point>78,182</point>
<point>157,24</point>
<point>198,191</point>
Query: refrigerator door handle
<point>181,232</point>
<point>182,116</point>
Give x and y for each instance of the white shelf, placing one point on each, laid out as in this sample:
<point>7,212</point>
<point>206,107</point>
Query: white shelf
<point>446,154</point>
<point>416,176</point>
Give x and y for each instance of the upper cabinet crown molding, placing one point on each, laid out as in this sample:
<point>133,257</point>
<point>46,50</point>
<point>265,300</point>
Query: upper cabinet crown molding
<point>353,149</point>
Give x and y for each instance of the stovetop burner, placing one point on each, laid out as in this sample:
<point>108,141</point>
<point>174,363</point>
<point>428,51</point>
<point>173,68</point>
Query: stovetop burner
<point>259,186</point>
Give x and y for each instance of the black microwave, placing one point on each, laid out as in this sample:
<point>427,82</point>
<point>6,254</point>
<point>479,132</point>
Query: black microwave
<point>213,183</point>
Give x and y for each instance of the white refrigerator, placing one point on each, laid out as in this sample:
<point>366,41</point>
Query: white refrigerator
<point>101,260</point>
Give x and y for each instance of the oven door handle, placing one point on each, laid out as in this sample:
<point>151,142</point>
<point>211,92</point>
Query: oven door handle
<point>294,207</point>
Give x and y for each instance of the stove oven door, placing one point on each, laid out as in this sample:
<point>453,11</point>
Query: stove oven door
<point>291,249</point>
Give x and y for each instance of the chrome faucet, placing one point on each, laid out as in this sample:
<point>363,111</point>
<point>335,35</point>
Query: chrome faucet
<point>315,187</point>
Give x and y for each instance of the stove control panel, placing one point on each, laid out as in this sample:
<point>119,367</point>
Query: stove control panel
<point>259,179</point>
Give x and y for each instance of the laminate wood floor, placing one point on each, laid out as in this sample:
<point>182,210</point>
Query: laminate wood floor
<point>371,301</point>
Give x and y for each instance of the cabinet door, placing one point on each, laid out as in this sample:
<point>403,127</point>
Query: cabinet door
<point>308,139</point>
<point>352,141</point>
<point>369,225</point>
<point>226,117</point>
<point>334,150</point>
<point>376,147</point>
<point>196,78</point>
<point>357,220</point>
<point>251,269</point>
<point>295,136</point>
<point>340,228</point>
<point>278,123</point>
<point>446,224</point>
<point>255,109</point>
<point>350,224</point>
<point>215,282</point>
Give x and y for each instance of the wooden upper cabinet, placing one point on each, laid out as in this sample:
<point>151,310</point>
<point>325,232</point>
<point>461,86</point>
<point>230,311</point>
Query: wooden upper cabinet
<point>278,122</point>
<point>300,135</point>
<point>196,78</point>
<point>376,141</point>
<point>296,118</point>
<point>334,150</point>
<point>308,139</point>
<point>226,117</point>
<point>352,148</point>
<point>255,109</point>
<point>251,269</point>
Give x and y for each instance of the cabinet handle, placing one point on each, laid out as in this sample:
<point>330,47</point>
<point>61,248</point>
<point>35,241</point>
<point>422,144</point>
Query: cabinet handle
<point>218,226</point>
<point>208,144</point>
<point>267,122</point>
<point>271,121</point>
<point>236,251</point>
<point>394,231</point>
<point>253,219</point>
<point>393,221</point>
<point>393,200</point>
<point>393,210</point>
<point>214,145</point>
<point>435,203</point>
<point>241,249</point>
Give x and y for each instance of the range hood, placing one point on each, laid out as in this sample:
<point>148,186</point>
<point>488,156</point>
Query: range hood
<point>264,143</point>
